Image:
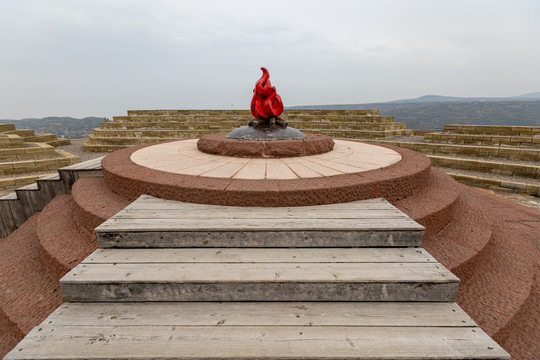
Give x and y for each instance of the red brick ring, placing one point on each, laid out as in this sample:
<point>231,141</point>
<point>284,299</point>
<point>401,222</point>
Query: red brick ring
<point>393,182</point>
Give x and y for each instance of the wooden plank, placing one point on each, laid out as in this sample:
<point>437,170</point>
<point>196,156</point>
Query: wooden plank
<point>259,291</point>
<point>257,255</point>
<point>409,314</point>
<point>150,202</point>
<point>47,190</point>
<point>17,211</point>
<point>260,282</point>
<point>259,272</point>
<point>26,204</point>
<point>261,224</point>
<point>256,342</point>
<point>180,238</point>
<point>7,217</point>
<point>266,213</point>
<point>37,199</point>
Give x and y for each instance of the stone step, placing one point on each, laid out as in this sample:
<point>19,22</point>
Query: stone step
<point>27,151</point>
<point>111,137</point>
<point>511,153</point>
<point>327,274</point>
<point>298,330</point>
<point>46,138</point>
<point>484,140</point>
<point>153,222</point>
<point>134,140</point>
<point>230,124</point>
<point>11,141</point>
<point>193,120</point>
<point>24,133</point>
<point>63,242</point>
<point>16,167</point>
<point>246,112</point>
<point>479,180</point>
<point>95,202</point>
<point>492,130</point>
<point>59,142</point>
<point>96,147</point>
<point>486,166</point>
<point>434,205</point>
<point>6,127</point>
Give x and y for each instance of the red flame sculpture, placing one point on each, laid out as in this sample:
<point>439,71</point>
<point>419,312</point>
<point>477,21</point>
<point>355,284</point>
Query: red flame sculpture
<point>266,102</point>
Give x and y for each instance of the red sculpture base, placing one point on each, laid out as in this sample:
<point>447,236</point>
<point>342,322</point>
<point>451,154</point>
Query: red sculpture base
<point>218,144</point>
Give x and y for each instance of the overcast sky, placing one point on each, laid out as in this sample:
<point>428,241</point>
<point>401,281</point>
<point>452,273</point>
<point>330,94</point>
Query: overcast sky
<point>103,57</point>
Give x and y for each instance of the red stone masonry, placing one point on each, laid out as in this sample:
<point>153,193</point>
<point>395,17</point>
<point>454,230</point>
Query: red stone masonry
<point>393,182</point>
<point>218,144</point>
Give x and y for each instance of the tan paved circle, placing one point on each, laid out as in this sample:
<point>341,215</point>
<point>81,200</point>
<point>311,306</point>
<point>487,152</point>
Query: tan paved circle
<point>183,157</point>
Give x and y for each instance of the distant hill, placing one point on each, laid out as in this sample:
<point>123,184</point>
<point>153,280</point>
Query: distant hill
<point>439,99</point>
<point>60,126</point>
<point>431,114</point>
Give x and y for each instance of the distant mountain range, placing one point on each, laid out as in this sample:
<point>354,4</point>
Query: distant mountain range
<point>434,111</point>
<point>60,126</point>
<point>440,99</point>
<point>425,112</point>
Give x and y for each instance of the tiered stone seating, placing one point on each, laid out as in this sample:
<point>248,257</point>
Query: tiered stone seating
<point>140,127</point>
<point>513,136</point>
<point>23,151</point>
<point>29,135</point>
<point>504,146</point>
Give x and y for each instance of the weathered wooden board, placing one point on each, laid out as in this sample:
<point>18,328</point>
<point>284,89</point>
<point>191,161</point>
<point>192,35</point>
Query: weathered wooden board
<point>152,214</point>
<point>153,222</point>
<point>259,282</point>
<point>261,214</point>
<point>151,202</point>
<point>256,342</point>
<point>259,272</point>
<point>267,239</point>
<point>260,314</point>
<point>257,255</point>
<point>204,223</point>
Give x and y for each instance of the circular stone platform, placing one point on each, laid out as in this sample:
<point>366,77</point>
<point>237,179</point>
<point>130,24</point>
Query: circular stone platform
<point>351,171</point>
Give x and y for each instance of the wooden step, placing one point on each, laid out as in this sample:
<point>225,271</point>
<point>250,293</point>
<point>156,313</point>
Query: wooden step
<point>258,330</point>
<point>326,274</point>
<point>153,222</point>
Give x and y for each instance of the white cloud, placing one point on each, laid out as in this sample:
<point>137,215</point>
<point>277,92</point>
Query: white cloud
<point>81,57</point>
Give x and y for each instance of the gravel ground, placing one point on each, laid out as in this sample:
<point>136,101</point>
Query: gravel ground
<point>77,148</point>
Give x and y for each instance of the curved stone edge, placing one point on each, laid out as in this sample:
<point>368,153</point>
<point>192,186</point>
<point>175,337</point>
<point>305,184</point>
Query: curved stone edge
<point>218,144</point>
<point>64,243</point>
<point>94,202</point>
<point>393,182</point>
<point>439,201</point>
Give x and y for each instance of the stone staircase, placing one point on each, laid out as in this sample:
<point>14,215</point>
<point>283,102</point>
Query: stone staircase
<point>186,281</point>
<point>29,136</point>
<point>480,149</point>
<point>24,153</point>
<point>145,126</point>
<point>25,201</point>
